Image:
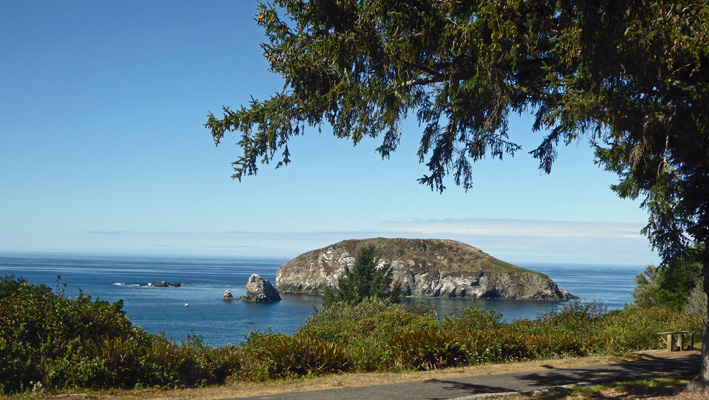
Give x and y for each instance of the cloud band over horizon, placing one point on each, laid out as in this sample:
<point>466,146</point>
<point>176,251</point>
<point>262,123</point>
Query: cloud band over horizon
<point>509,239</point>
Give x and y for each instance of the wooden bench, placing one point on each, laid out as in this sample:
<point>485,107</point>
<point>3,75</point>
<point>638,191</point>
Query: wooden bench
<point>676,340</point>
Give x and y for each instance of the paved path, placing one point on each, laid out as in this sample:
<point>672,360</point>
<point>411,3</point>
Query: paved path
<point>472,387</point>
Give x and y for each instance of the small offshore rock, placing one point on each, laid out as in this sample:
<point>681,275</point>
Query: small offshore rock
<point>228,295</point>
<point>167,284</point>
<point>260,290</point>
<point>162,284</point>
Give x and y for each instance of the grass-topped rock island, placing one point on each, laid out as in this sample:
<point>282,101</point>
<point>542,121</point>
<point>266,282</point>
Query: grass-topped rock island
<point>423,268</point>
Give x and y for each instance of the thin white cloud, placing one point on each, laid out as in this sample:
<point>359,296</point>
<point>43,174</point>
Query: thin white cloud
<point>510,240</point>
<point>521,228</point>
<point>231,235</point>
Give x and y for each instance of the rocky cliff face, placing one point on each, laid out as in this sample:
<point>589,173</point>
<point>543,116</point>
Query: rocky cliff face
<point>425,268</point>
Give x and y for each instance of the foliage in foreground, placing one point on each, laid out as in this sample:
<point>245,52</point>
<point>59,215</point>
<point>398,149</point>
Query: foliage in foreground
<point>52,341</point>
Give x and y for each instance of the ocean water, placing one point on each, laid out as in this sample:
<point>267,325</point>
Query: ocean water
<point>197,308</point>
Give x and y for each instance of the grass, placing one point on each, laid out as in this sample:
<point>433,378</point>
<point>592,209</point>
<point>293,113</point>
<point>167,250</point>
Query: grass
<point>654,388</point>
<point>511,267</point>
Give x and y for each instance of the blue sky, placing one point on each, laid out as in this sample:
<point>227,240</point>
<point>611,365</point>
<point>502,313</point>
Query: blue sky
<point>103,150</point>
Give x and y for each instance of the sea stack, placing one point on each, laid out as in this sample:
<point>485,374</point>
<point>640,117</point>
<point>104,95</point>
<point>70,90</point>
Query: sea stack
<point>424,268</point>
<point>260,290</point>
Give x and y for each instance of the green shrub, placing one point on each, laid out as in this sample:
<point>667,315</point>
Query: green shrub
<point>514,344</point>
<point>369,353</point>
<point>62,342</point>
<point>372,317</point>
<point>428,349</point>
<point>365,330</point>
<point>38,327</point>
<point>277,355</point>
<point>10,285</point>
<point>635,329</point>
<point>575,316</point>
<point>473,318</point>
<point>423,309</point>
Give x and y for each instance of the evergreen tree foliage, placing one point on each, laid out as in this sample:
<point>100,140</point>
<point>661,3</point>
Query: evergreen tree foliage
<point>363,281</point>
<point>669,285</point>
<point>679,277</point>
<point>647,286</point>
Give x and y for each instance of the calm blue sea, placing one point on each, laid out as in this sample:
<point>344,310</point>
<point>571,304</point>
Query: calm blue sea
<point>204,280</point>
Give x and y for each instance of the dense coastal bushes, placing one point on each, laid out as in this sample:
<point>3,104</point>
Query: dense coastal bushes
<point>50,341</point>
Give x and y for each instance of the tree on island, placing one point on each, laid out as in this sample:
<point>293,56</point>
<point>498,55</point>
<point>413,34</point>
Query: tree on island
<point>364,280</point>
<point>631,76</point>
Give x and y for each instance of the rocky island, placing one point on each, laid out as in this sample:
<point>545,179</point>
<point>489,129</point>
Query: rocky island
<point>424,268</point>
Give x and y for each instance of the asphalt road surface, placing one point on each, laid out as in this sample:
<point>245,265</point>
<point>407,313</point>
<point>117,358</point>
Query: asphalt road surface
<point>476,387</point>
